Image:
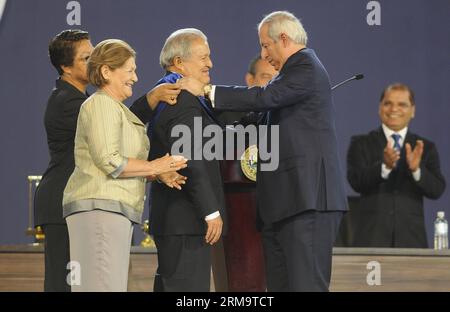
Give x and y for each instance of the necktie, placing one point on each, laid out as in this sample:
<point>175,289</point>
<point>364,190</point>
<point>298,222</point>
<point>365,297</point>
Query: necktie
<point>396,138</point>
<point>208,109</point>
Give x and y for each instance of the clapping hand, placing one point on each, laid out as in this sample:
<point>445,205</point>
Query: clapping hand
<point>390,156</point>
<point>414,156</point>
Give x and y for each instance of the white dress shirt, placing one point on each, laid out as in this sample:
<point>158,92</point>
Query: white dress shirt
<point>212,94</point>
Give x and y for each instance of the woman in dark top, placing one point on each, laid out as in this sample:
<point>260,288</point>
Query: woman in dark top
<point>69,52</point>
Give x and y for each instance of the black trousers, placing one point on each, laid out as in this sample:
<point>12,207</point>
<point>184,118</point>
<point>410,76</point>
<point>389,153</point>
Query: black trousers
<point>298,251</point>
<point>57,255</point>
<point>184,264</point>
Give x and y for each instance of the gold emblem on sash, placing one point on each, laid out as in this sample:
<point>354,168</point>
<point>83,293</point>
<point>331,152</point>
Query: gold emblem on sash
<point>249,161</point>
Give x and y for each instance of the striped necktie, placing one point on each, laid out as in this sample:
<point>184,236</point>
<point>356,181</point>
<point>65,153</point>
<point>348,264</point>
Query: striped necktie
<point>397,138</point>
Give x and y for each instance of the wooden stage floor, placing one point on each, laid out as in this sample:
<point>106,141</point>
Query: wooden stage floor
<point>354,269</point>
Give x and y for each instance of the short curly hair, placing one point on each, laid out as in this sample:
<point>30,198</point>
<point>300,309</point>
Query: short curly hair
<point>61,48</point>
<point>112,53</point>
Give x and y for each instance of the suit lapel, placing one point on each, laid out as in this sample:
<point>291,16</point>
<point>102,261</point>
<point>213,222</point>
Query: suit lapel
<point>131,116</point>
<point>380,138</point>
<point>411,139</point>
<point>207,109</point>
<point>402,170</point>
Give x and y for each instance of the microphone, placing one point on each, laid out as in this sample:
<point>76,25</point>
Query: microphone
<point>355,77</point>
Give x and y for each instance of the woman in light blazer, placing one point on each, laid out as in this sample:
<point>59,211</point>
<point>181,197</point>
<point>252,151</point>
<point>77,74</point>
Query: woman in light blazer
<point>105,194</point>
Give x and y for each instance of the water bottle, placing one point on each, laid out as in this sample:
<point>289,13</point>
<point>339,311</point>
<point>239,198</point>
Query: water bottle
<point>440,232</point>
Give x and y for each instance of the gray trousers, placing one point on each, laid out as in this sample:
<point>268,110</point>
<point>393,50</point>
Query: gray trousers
<point>100,243</point>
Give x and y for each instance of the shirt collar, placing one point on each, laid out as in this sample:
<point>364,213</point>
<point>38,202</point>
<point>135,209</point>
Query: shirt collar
<point>388,132</point>
<point>61,83</point>
<point>173,72</point>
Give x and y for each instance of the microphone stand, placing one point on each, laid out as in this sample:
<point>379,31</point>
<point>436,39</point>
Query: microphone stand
<point>355,77</point>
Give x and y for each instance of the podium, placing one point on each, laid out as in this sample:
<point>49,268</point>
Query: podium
<point>238,259</point>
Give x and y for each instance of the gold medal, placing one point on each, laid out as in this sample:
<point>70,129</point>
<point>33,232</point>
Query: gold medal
<point>249,161</point>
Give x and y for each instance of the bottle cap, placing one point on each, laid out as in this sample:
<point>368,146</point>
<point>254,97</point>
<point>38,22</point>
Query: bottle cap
<point>441,214</point>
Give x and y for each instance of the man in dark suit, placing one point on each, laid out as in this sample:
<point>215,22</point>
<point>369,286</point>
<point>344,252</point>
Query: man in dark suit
<point>185,223</point>
<point>300,203</point>
<point>244,264</point>
<point>68,52</point>
<point>393,169</point>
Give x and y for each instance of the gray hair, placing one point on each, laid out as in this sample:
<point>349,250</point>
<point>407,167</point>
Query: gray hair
<point>284,22</point>
<point>179,44</point>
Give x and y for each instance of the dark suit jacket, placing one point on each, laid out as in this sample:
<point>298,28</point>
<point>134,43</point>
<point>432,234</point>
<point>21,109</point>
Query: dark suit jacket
<point>309,176</point>
<point>230,118</point>
<point>60,122</point>
<point>176,212</point>
<point>390,212</point>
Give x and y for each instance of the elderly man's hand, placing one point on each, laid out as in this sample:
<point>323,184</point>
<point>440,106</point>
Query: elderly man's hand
<point>192,85</point>
<point>214,230</point>
<point>165,92</point>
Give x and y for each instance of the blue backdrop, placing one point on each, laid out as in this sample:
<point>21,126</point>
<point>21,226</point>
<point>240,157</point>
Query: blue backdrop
<point>411,45</point>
